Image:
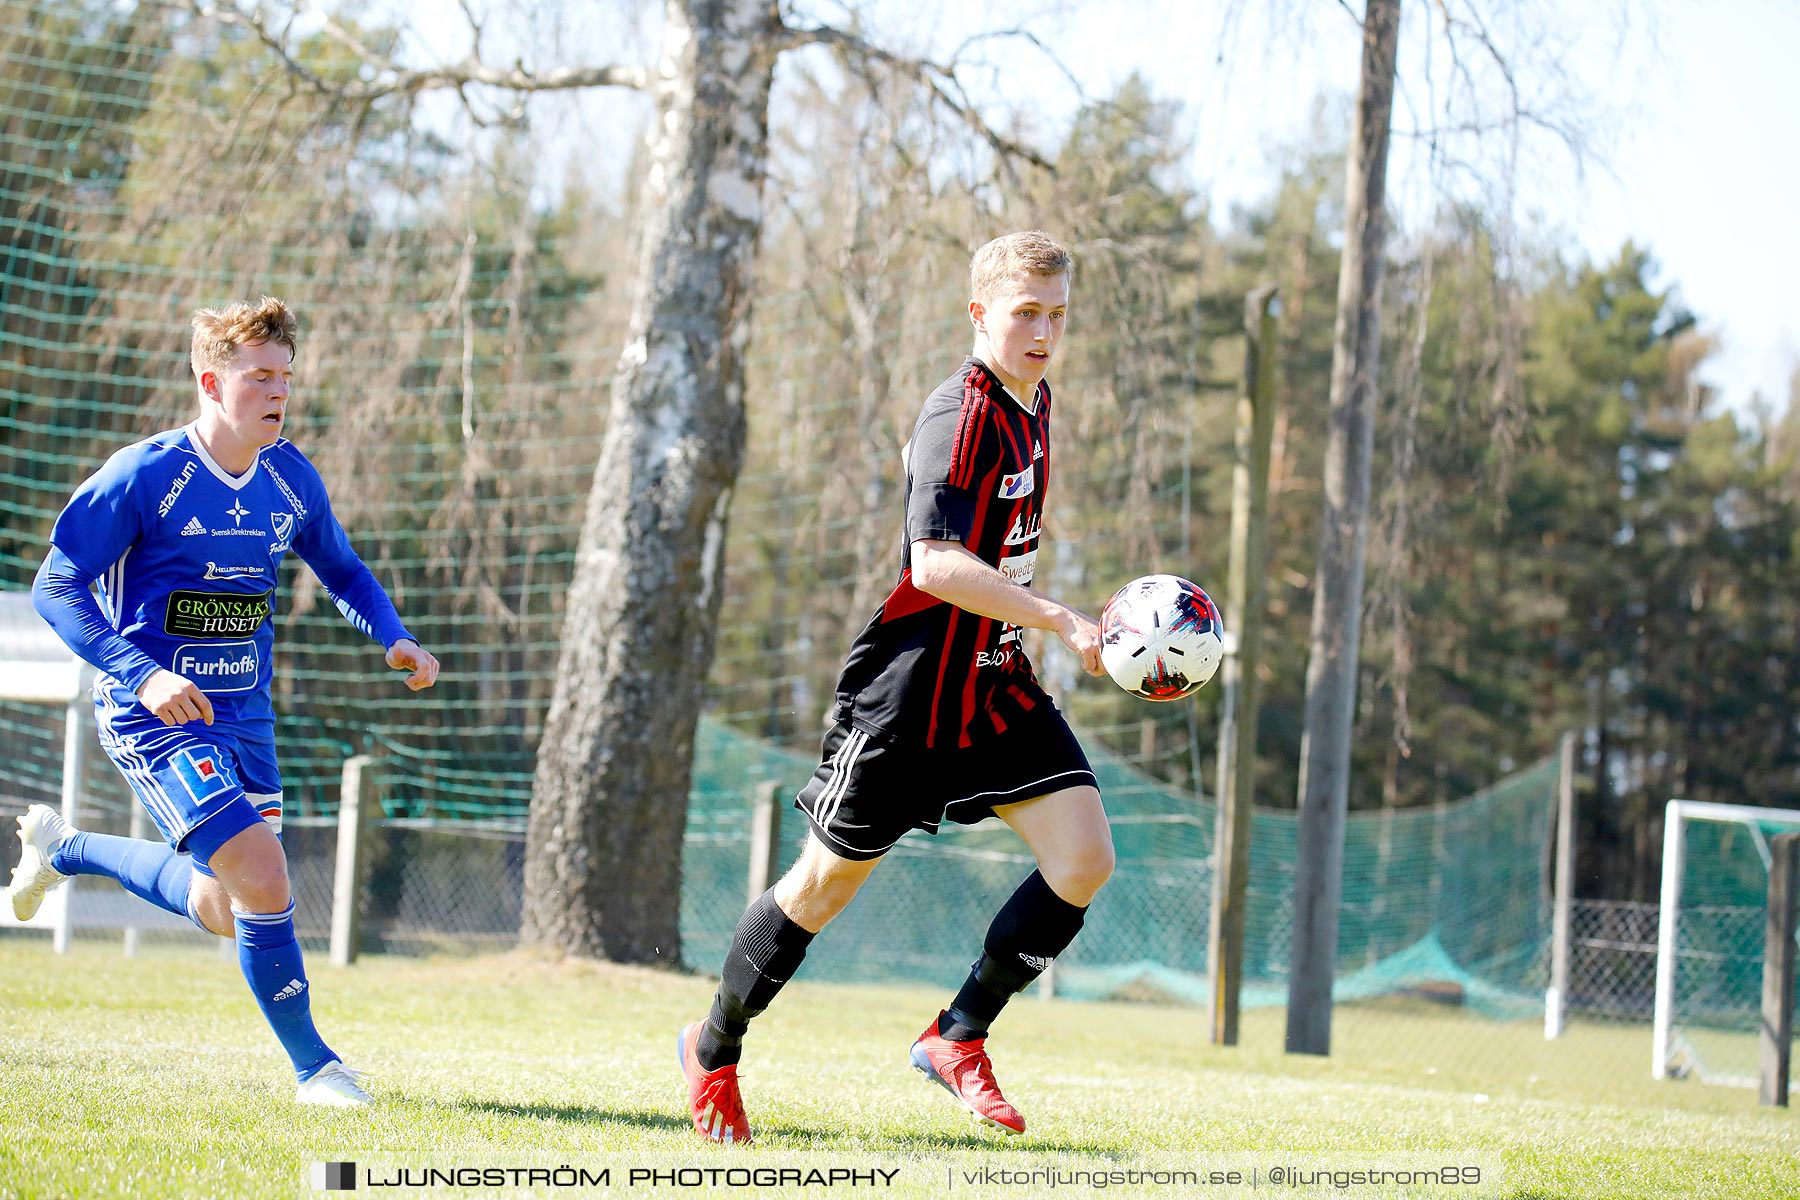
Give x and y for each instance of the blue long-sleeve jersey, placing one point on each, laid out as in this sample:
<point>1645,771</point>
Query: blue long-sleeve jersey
<point>187,556</point>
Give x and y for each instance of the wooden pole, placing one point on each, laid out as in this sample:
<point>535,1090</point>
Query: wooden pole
<point>1778,969</point>
<point>356,812</point>
<point>1556,997</point>
<point>1244,594</point>
<point>765,837</point>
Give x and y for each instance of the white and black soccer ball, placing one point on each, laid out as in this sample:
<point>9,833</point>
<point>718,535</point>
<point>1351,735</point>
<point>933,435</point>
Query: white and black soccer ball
<point>1161,637</point>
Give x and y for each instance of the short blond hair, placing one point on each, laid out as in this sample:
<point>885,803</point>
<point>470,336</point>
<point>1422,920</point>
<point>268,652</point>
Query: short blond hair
<point>1031,252</point>
<point>218,332</point>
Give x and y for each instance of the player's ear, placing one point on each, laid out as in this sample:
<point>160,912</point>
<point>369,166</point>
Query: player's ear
<point>977,315</point>
<point>209,383</point>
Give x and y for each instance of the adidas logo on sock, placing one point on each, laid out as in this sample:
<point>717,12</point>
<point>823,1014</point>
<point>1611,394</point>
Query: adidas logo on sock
<point>294,988</point>
<point>192,528</point>
<point>1034,962</point>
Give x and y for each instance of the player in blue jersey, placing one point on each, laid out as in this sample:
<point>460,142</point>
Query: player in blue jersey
<point>184,533</point>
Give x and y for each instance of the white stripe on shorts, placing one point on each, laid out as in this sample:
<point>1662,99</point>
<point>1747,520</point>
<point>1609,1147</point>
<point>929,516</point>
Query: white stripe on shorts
<point>844,767</point>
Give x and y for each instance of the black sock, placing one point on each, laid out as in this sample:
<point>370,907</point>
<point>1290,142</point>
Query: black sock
<point>1033,927</point>
<point>765,952</point>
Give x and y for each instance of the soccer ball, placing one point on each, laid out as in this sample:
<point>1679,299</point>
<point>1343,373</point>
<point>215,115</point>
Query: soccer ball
<point>1161,637</point>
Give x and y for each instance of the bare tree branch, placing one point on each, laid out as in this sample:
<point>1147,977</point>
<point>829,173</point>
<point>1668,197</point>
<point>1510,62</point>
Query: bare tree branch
<point>393,79</point>
<point>940,80</point>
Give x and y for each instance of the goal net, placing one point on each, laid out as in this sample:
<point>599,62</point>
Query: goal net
<point>1709,957</point>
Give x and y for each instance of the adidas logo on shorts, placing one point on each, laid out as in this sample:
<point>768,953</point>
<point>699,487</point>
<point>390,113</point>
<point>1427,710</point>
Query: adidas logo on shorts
<point>294,988</point>
<point>193,528</point>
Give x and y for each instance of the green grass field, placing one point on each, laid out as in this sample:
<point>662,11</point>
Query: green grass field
<point>154,1076</point>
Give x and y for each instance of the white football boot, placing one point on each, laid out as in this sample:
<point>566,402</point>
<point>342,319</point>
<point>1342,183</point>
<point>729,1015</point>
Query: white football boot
<point>335,1086</point>
<point>41,831</point>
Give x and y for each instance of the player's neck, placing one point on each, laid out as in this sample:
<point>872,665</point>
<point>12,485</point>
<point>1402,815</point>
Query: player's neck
<point>1024,393</point>
<point>232,454</point>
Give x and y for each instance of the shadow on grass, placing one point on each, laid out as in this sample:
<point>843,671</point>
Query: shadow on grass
<point>577,1113</point>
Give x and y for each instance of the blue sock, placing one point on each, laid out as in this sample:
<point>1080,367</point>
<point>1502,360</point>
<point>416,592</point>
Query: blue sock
<point>270,957</point>
<point>148,870</point>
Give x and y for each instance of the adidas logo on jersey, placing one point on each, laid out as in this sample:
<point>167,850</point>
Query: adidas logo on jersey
<point>1037,451</point>
<point>193,528</point>
<point>294,988</point>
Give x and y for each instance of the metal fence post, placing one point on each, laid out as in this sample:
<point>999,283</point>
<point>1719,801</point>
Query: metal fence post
<point>356,809</point>
<point>765,837</point>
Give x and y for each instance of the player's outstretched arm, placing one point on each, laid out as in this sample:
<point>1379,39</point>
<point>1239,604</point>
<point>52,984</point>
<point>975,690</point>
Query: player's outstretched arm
<point>408,655</point>
<point>952,573</point>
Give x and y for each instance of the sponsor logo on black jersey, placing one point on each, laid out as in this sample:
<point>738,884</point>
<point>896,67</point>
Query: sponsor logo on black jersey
<point>216,614</point>
<point>1014,486</point>
<point>1023,531</point>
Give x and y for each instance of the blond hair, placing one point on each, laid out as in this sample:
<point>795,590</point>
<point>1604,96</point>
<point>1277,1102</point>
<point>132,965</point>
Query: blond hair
<point>218,332</point>
<point>1032,252</point>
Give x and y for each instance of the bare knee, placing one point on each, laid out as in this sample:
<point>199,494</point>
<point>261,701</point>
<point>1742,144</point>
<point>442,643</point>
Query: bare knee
<point>1078,874</point>
<point>264,890</point>
<point>253,871</point>
<point>819,886</point>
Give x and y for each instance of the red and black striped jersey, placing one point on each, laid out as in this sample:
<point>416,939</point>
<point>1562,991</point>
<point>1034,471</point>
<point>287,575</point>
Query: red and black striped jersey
<point>977,469</point>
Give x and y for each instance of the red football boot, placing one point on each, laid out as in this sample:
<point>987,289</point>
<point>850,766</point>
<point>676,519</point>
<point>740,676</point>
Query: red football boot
<point>963,1070</point>
<point>713,1098</point>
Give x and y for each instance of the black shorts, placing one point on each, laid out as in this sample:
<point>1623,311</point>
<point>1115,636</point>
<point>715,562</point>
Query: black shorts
<point>869,791</point>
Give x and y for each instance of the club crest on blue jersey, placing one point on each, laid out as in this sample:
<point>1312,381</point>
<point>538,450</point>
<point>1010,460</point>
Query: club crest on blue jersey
<point>200,773</point>
<point>283,525</point>
<point>1014,486</point>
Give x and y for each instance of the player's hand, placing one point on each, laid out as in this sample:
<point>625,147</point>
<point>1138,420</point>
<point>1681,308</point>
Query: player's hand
<point>408,655</point>
<point>1081,634</point>
<point>174,699</point>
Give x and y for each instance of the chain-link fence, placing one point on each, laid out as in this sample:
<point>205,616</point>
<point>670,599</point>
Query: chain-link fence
<point>1612,961</point>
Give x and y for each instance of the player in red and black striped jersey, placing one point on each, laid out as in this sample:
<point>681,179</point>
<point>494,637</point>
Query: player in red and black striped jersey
<point>938,712</point>
<point>926,672</point>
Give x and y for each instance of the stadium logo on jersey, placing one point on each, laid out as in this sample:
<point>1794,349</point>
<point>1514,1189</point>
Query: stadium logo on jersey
<point>1037,451</point>
<point>283,525</point>
<point>219,666</point>
<point>200,773</point>
<point>237,512</point>
<point>1014,486</point>
<point>193,528</point>
<point>175,490</point>
<point>993,658</point>
<point>215,571</point>
<point>216,614</point>
<point>1023,530</point>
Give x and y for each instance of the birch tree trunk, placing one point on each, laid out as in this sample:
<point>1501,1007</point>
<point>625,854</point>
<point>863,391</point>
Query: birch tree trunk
<point>1337,597</point>
<point>609,802</point>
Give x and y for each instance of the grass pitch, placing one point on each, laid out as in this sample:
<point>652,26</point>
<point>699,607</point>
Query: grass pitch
<point>155,1076</point>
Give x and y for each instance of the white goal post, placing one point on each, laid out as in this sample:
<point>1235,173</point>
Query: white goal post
<point>1676,816</point>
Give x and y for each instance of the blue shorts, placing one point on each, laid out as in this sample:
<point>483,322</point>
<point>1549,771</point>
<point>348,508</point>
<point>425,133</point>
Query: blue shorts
<point>201,784</point>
